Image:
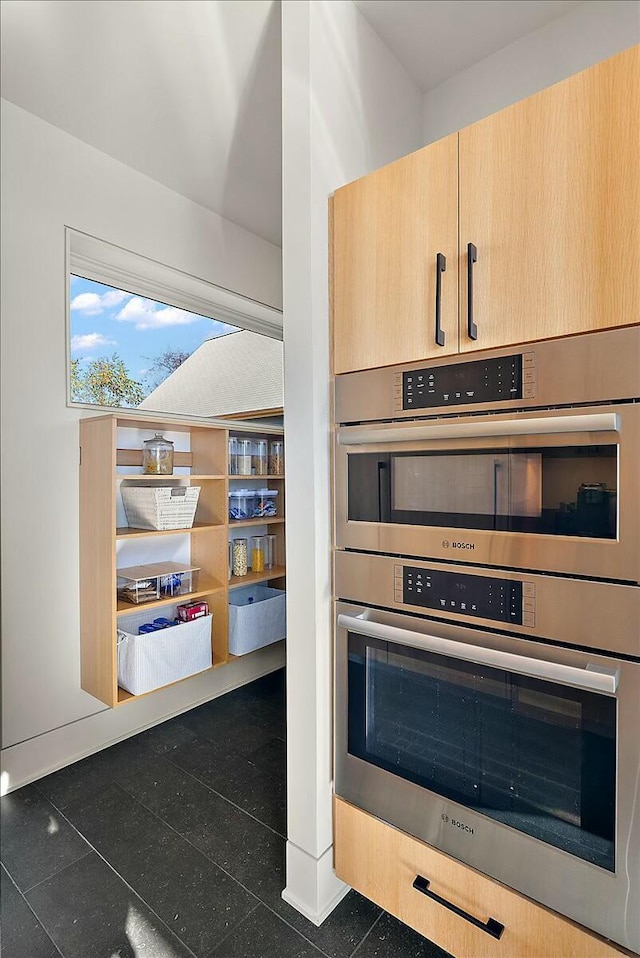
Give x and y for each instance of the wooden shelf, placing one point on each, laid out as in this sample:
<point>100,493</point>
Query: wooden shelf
<point>236,581</point>
<point>129,608</point>
<point>171,477</point>
<point>126,532</point>
<point>240,523</point>
<point>124,696</point>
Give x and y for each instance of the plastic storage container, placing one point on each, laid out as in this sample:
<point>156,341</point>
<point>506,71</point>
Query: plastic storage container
<point>244,457</point>
<point>264,505</point>
<point>240,557</point>
<point>233,456</point>
<point>241,504</point>
<point>157,456</point>
<point>157,580</point>
<point>276,458</point>
<point>257,617</point>
<point>257,553</point>
<point>260,460</point>
<point>270,551</point>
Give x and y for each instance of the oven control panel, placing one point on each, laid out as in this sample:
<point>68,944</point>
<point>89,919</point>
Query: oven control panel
<point>457,384</point>
<point>502,600</point>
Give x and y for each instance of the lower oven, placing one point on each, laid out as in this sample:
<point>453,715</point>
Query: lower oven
<point>518,757</point>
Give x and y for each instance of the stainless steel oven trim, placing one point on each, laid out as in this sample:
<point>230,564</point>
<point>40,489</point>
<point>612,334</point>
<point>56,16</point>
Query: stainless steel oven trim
<point>589,676</point>
<point>471,429</point>
<point>571,371</point>
<point>601,900</point>
<point>617,559</point>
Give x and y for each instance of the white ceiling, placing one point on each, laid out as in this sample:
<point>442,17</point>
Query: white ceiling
<point>188,92</point>
<point>435,39</point>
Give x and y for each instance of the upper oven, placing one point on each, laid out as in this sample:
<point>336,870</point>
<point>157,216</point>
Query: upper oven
<point>553,489</point>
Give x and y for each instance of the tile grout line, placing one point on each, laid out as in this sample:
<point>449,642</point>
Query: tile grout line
<point>228,874</point>
<point>123,880</point>
<point>22,897</point>
<point>210,954</point>
<point>364,938</point>
<point>227,800</point>
<point>58,871</point>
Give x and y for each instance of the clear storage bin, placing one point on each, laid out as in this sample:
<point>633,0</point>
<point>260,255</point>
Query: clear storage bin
<point>157,580</point>
<point>265,503</point>
<point>241,504</point>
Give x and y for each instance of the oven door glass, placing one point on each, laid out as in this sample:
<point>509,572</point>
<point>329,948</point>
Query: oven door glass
<point>559,490</point>
<point>536,756</point>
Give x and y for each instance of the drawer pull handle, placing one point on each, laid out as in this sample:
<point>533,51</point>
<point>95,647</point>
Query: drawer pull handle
<point>491,926</point>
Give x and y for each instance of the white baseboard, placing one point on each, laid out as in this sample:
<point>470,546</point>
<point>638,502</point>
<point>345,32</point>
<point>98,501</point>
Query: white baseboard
<point>28,761</point>
<point>312,886</point>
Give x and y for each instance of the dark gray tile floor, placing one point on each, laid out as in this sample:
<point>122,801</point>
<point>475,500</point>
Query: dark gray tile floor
<point>172,844</point>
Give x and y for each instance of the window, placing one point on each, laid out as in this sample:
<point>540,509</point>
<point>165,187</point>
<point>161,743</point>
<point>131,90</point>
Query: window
<point>137,342</point>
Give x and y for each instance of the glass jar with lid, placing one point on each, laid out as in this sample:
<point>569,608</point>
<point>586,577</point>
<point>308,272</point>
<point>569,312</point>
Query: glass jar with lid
<point>157,456</point>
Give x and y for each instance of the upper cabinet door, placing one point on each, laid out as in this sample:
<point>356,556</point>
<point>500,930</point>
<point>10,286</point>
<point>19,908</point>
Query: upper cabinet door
<point>550,199</point>
<point>395,250</point>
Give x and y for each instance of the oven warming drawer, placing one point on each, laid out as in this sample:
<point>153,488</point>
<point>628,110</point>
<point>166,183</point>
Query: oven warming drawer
<point>382,863</point>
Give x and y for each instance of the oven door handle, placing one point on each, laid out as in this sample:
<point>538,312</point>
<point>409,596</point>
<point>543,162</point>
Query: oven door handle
<point>592,678</point>
<point>470,429</point>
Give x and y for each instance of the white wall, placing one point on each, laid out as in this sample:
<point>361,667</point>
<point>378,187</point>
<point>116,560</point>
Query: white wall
<point>585,35</point>
<point>348,108</point>
<point>51,180</point>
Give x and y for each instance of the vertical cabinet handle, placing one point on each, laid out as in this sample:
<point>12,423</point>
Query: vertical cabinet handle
<point>491,926</point>
<point>472,257</point>
<point>441,265</point>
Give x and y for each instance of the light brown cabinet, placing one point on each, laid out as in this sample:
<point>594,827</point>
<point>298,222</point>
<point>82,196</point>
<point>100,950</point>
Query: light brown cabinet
<point>110,455</point>
<point>382,863</point>
<point>550,197</point>
<point>548,193</point>
<point>388,229</point>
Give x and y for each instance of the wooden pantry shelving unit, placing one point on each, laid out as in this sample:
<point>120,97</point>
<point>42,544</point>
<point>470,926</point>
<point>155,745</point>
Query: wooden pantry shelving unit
<point>110,452</point>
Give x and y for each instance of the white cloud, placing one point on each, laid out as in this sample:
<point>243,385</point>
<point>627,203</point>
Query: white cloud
<point>90,340</point>
<point>93,303</point>
<point>149,315</point>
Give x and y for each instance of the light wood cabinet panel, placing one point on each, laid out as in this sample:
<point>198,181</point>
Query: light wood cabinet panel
<point>382,863</point>
<point>388,228</point>
<point>550,196</point>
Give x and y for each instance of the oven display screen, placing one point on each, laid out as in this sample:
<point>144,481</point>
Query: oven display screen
<point>485,380</point>
<point>488,598</point>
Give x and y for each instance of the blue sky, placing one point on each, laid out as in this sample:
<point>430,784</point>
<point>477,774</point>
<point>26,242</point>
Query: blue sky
<point>105,320</point>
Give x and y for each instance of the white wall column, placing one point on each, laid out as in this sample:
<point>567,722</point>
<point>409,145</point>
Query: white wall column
<point>348,107</point>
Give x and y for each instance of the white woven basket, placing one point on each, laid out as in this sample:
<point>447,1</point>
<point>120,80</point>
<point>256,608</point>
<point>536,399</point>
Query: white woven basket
<point>160,507</point>
<point>147,662</point>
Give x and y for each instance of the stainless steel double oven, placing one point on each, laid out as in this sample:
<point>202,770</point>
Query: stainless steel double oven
<point>487,572</point>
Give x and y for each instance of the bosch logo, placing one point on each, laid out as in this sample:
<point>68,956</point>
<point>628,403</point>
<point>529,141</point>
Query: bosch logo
<point>445,543</point>
<point>456,824</point>
<point>462,545</point>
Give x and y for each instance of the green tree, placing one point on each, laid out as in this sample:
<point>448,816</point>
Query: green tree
<point>165,364</point>
<point>105,382</point>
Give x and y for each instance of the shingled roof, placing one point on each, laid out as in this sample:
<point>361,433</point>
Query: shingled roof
<point>236,373</point>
